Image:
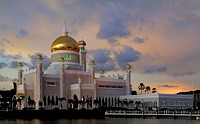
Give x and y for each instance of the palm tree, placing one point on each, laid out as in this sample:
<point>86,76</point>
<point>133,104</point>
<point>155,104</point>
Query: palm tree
<point>48,100</point>
<point>138,104</point>
<point>148,88</point>
<point>80,103</point>
<point>75,101</point>
<point>44,100</point>
<point>89,102</point>
<point>70,101</point>
<point>19,100</point>
<point>56,100</point>
<point>96,102</point>
<point>52,101</point>
<point>125,103</point>
<point>141,87</point>
<point>31,103</point>
<point>83,102</point>
<point>14,103</point>
<point>61,99</point>
<point>154,90</point>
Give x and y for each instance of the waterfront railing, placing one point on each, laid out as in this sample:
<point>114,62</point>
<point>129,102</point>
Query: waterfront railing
<point>157,114</point>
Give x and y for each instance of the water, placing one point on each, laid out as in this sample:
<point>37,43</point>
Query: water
<point>104,121</point>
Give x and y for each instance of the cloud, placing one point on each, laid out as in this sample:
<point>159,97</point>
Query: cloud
<point>7,56</point>
<point>2,65</point>
<point>102,59</point>
<point>109,65</point>
<point>155,68</point>
<point>127,55</point>
<point>3,42</point>
<point>4,27</point>
<point>22,33</point>
<point>138,40</point>
<point>113,22</point>
<point>100,55</point>
<point>46,61</point>
<point>183,74</point>
<point>168,86</point>
<point>13,64</point>
<point>2,78</point>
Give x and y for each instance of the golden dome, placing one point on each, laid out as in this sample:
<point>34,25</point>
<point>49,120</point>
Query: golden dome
<point>92,62</point>
<point>101,71</point>
<point>64,43</point>
<point>39,57</point>
<point>19,64</point>
<point>82,42</point>
<point>128,66</point>
<point>61,59</point>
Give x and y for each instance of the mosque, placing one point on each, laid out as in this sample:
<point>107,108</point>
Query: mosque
<point>67,77</point>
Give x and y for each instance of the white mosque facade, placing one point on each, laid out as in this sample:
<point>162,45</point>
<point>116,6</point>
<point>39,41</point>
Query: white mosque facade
<point>67,77</point>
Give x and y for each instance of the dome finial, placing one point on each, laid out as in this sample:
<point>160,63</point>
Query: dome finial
<point>65,32</point>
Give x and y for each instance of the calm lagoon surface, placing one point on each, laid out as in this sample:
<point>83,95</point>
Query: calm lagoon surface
<point>104,121</point>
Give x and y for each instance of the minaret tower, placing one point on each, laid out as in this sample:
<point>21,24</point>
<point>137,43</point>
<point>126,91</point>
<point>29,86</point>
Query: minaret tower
<point>92,69</point>
<point>38,90</point>
<point>128,79</point>
<point>20,72</point>
<point>64,89</point>
<point>82,54</point>
<point>61,76</point>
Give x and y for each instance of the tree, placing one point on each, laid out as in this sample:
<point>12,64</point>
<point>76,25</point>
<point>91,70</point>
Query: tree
<point>154,90</point>
<point>61,100</point>
<point>19,100</point>
<point>125,103</point>
<point>82,102</point>
<point>75,101</point>
<point>31,103</point>
<point>40,105</point>
<point>96,102</point>
<point>56,100</point>
<point>148,88</point>
<point>70,102</point>
<point>48,100</point>
<point>138,104</point>
<point>44,100</point>
<point>141,87</point>
<point>14,103</point>
<point>89,102</point>
<point>52,101</point>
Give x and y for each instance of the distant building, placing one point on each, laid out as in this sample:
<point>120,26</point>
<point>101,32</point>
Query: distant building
<point>196,96</point>
<point>68,79</point>
<point>160,101</point>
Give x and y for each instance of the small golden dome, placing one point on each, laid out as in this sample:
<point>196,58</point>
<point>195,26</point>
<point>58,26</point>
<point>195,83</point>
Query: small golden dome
<point>61,59</point>
<point>101,71</point>
<point>128,66</point>
<point>39,57</point>
<point>92,62</point>
<point>82,42</point>
<point>19,64</point>
<point>64,43</point>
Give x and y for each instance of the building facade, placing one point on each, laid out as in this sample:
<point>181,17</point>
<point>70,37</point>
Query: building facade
<point>161,101</point>
<point>67,78</point>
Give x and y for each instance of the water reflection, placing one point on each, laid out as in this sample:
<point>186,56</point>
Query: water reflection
<point>103,121</point>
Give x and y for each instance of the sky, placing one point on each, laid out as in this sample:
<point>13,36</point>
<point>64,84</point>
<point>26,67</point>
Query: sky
<point>158,38</point>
